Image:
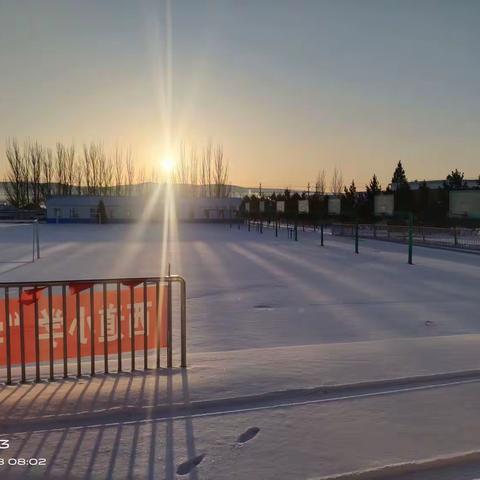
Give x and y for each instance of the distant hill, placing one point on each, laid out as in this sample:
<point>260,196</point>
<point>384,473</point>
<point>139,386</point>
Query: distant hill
<point>138,189</point>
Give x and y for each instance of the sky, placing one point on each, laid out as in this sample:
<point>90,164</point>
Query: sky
<point>287,87</point>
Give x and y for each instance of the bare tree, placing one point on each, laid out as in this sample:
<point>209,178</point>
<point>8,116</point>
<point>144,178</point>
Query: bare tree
<point>220,174</point>
<point>48,172</point>
<point>35,153</point>
<point>321,183</point>
<point>182,173</point>
<point>60,169</point>
<point>17,175</point>
<point>78,175</point>
<point>69,166</point>
<point>141,179</point>
<point>130,170</point>
<point>93,162</point>
<point>87,170</point>
<point>118,171</point>
<point>206,171</point>
<point>337,182</point>
<point>193,171</point>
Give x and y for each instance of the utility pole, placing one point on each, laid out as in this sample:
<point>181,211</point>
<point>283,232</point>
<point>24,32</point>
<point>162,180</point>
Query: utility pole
<point>260,190</point>
<point>308,190</point>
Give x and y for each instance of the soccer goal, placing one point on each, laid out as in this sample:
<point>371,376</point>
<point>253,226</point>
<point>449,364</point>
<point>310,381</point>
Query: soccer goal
<point>19,241</point>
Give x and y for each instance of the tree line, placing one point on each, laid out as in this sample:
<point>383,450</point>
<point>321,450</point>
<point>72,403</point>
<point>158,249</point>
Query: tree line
<point>35,172</point>
<point>429,205</point>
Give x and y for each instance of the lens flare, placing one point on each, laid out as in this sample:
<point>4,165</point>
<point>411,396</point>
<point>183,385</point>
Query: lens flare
<point>168,164</point>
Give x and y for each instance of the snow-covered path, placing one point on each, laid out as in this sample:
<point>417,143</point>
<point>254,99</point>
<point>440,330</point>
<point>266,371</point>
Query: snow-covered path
<point>304,441</point>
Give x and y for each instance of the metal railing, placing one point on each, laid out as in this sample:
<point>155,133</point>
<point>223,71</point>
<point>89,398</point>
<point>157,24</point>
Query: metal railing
<point>46,323</point>
<point>461,238</point>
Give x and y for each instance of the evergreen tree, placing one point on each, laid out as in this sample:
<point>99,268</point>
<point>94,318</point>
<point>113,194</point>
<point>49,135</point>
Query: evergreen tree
<point>399,177</point>
<point>351,191</point>
<point>455,180</point>
<point>349,198</point>
<point>373,187</point>
<point>423,200</point>
<point>401,188</point>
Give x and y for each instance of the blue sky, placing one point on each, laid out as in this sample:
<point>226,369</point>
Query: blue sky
<point>288,87</point>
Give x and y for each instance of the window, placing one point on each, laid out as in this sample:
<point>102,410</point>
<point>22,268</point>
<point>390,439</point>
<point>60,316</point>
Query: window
<point>74,213</point>
<point>93,213</point>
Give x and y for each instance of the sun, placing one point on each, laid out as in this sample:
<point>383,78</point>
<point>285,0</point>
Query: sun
<point>168,164</point>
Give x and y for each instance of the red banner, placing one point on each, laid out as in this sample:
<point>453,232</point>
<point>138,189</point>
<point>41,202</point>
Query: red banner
<point>40,297</point>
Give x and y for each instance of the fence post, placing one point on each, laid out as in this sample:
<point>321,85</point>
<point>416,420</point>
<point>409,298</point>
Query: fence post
<point>455,235</point>
<point>276,227</point>
<point>321,234</point>
<point>37,239</point>
<point>356,237</point>
<point>410,239</point>
<point>7,337</point>
<point>169,321</point>
<point>296,230</point>
<point>183,323</point>
<point>33,242</point>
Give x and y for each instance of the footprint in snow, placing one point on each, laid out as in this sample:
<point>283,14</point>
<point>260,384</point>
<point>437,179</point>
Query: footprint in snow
<point>247,435</point>
<point>187,466</point>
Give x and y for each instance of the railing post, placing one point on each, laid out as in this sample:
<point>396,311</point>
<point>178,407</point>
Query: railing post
<point>22,337</point>
<point>79,345</point>
<point>105,333</point>
<point>157,320</point>
<point>119,328</point>
<point>37,238</point>
<point>145,327</point>
<point>50,332</point>
<point>92,332</point>
<point>64,328</point>
<point>356,237</point>
<point>37,338</point>
<point>7,337</point>
<point>410,239</point>
<point>321,234</point>
<point>183,322</point>
<point>33,242</point>
<point>169,323</point>
<point>132,326</point>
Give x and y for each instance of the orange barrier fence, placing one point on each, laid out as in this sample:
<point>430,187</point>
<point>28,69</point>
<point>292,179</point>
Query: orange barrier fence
<point>52,321</point>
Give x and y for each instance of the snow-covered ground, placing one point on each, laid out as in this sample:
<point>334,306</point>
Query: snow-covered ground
<point>266,315</point>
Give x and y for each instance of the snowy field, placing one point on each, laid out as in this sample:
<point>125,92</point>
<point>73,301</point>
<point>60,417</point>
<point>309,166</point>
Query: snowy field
<point>266,315</point>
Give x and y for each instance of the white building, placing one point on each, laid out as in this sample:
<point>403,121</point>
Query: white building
<point>153,208</point>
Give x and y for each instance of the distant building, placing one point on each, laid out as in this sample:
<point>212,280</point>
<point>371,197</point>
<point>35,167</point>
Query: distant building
<point>84,209</point>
